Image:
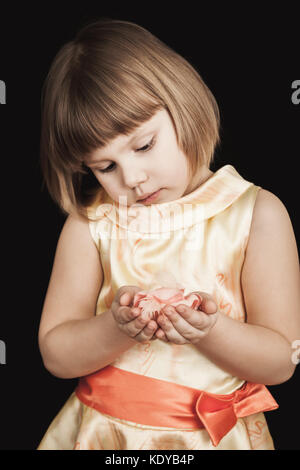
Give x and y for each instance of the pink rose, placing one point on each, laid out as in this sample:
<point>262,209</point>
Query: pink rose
<point>153,301</point>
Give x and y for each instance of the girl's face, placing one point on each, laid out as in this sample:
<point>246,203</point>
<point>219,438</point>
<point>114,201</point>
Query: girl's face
<point>147,161</point>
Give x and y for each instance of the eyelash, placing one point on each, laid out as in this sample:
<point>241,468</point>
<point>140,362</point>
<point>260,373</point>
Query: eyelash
<point>149,145</point>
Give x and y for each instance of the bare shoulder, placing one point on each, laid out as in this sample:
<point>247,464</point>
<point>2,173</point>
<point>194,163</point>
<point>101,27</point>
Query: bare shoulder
<point>271,225</point>
<point>268,209</point>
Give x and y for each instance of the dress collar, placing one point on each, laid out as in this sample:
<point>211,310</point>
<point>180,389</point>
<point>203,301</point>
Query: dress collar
<point>211,197</point>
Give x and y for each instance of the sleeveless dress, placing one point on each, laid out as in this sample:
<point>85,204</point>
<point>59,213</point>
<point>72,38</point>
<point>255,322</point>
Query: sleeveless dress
<point>198,243</point>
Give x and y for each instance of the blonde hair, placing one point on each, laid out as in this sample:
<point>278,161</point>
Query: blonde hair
<point>110,79</point>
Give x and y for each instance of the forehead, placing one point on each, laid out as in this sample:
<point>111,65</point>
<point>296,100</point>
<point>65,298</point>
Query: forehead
<point>118,144</point>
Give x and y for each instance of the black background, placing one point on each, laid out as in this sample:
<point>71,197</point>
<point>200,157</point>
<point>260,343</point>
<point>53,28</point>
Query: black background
<point>247,57</point>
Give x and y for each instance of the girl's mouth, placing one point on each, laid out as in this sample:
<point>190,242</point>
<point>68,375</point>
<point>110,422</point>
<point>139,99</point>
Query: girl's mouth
<point>150,198</point>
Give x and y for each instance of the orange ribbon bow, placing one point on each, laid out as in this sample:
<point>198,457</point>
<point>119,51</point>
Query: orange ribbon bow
<point>219,413</point>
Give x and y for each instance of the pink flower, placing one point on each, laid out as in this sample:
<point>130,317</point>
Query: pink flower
<point>153,301</point>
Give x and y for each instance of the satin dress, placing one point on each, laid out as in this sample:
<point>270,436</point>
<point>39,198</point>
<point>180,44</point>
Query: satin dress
<point>198,243</point>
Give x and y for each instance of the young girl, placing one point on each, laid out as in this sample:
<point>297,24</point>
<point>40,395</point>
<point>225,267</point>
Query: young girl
<point>129,131</point>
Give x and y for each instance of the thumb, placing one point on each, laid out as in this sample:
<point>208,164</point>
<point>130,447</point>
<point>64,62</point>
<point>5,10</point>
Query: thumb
<point>208,305</point>
<point>127,294</point>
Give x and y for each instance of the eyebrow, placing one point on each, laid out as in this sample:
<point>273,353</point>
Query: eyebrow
<point>138,133</point>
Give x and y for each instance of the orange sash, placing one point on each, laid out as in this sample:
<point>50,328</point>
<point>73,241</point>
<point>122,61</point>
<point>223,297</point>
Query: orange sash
<point>153,402</point>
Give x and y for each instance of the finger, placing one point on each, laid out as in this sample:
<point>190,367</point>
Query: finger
<point>124,314</point>
<point>125,299</point>
<point>196,318</point>
<point>208,305</point>
<point>161,335</point>
<point>186,329</point>
<point>147,332</point>
<point>134,327</point>
<point>121,305</point>
<point>168,328</point>
<point>126,293</point>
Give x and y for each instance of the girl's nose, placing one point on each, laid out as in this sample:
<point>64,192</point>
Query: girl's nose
<point>133,177</point>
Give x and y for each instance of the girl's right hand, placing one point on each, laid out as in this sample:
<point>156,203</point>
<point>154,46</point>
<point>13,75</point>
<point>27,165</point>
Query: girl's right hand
<point>129,319</point>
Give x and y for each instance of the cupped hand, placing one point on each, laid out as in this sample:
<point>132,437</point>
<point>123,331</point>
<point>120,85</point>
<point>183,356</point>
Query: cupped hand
<point>190,325</point>
<point>129,319</point>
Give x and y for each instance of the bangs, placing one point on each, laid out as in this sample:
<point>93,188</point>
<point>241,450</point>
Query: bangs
<point>94,110</point>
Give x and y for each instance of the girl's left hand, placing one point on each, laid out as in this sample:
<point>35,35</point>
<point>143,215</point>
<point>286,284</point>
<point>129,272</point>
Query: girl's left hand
<point>189,326</point>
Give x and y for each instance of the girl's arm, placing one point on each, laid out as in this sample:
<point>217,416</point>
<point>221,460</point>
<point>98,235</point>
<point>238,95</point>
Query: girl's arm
<point>74,341</point>
<point>261,349</point>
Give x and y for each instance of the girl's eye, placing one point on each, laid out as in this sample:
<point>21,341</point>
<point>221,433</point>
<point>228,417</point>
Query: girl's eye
<point>146,148</point>
<point>106,170</point>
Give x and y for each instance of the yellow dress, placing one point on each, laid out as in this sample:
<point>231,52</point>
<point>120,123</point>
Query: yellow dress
<point>197,242</point>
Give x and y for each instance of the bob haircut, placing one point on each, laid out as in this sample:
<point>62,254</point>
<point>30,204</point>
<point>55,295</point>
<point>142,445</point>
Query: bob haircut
<point>110,79</point>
